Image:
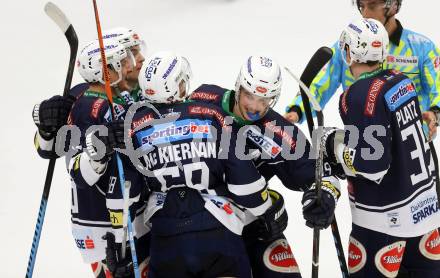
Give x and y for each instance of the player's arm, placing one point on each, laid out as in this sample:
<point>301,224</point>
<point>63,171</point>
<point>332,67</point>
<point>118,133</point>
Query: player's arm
<point>49,116</point>
<point>430,76</point>
<point>374,136</point>
<point>324,85</point>
<point>246,186</point>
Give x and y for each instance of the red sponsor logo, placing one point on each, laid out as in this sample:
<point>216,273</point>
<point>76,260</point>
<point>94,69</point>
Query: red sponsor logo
<point>200,110</point>
<point>275,151</point>
<point>89,243</point>
<point>204,96</point>
<point>376,44</point>
<point>279,257</point>
<point>357,256</point>
<point>429,245</point>
<point>389,258</point>
<point>135,36</point>
<point>96,106</point>
<point>281,133</point>
<point>261,90</point>
<point>139,122</point>
<point>373,92</point>
<point>227,208</point>
<point>149,92</point>
<point>391,59</point>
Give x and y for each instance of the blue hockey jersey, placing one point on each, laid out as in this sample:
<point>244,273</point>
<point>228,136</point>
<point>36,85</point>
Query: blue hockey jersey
<point>389,164</point>
<point>188,150</point>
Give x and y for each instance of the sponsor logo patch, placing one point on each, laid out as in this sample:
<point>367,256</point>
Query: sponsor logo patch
<point>200,110</point>
<point>357,256</point>
<point>389,258</point>
<point>265,143</point>
<point>281,133</point>
<point>116,218</point>
<point>370,105</point>
<point>261,90</point>
<point>177,131</point>
<point>429,245</point>
<point>403,60</point>
<point>376,44</point>
<point>96,106</point>
<point>278,257</point>
<point>204,96</point>
<point>399,94</point>
<point>348,156</point>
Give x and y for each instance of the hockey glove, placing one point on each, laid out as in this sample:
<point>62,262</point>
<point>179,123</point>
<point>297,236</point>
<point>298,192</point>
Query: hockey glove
<point>327,143</point>
<point>321,215</point>
<point>274,221</point>
<point>101,147</point>
<point>50,115</point>
<point>118,267</point>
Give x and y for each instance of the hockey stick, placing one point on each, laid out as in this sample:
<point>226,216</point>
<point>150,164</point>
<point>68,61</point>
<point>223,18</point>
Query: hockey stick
<point>319,59</point>
<point>64,24</point>
<point>120,168</point>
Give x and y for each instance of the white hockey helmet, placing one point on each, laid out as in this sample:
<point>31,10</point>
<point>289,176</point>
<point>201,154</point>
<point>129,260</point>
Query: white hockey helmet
<point>125,36</point>
<point>260,76</point>
<point>367,41</point>
<point>161,76</point>
<point>90,64</point>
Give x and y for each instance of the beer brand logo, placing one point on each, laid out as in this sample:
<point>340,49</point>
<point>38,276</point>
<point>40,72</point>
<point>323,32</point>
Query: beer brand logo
<point>389,258</point>
<point>278,257</point>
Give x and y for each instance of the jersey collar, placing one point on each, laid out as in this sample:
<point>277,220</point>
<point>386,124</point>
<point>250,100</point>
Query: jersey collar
<point>228,108</point>
<point>370,74</point>
<point>102,95</point>
<point>397,34</point>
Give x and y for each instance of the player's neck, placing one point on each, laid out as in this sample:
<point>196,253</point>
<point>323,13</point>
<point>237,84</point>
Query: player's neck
<point>361,69</point>
<point>391,25</point>
<point>100,88</point>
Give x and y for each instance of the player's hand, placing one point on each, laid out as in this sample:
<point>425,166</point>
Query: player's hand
<point>292,117</point>
<point>274,221</point>
<point>51,114</point>
<point>320,213</point>
<point>100,147</point>
<point>119,267</point>
<point>431,120</point>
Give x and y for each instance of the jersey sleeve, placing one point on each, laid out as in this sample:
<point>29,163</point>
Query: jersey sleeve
<point>247,187</point>
<point>325,84</point>
<point>365,116</point>
<point>430,76</point>
<point>285,152</point>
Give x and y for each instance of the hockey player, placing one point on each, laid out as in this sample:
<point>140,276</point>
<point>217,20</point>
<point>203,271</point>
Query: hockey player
<point>51,114</point>
<point>412,53</point>
<point>270,137</point>
<point>98,214</point>
<point>199,186</point>
<point>394,205</point>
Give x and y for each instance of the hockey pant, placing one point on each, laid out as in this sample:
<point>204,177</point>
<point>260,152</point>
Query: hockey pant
<point>271,259</point>
<point>188,241</point>
<point>374,254</point>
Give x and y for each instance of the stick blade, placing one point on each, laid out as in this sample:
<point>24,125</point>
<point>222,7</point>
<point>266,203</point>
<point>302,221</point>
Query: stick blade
<point>316,63</point>
<point>57,16</point>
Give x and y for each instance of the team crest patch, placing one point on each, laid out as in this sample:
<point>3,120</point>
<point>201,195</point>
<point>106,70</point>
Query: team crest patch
<point>279,257</point>
<point>429,245</point>
<point>389,258</point>
<point>357,256</point>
